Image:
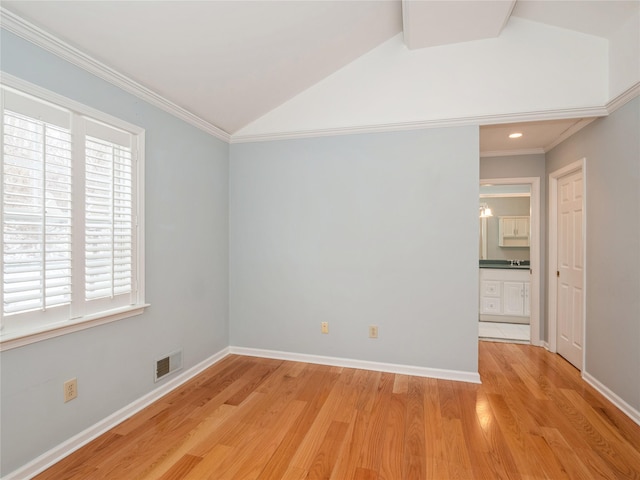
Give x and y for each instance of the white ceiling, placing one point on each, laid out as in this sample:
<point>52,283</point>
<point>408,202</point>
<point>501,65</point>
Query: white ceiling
<point>600,18</point>
<point>231,62</point>
<point>537,137</point>
<point>228,62</point>
<point>441,22</point>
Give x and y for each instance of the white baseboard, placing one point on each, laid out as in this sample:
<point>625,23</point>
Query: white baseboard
<point>627,409</point>
<point>456,375</point>
<point>69,446</point>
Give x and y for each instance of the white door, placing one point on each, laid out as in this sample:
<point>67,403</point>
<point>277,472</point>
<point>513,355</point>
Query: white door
<point>570,268</point>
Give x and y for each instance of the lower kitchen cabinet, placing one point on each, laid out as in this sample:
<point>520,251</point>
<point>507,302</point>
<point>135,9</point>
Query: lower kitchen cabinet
<point>504,292</point>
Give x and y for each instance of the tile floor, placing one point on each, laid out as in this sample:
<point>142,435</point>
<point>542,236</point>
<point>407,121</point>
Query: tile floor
<point>505,332</point>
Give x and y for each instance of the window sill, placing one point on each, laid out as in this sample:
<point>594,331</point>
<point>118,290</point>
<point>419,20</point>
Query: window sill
<point>17,339</point>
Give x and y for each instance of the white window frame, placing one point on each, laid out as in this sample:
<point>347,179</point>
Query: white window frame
<point>12,334</point>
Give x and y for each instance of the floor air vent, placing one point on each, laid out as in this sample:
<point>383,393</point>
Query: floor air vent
<point>168,364</point>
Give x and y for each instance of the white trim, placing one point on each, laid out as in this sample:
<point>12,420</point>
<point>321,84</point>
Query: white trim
<point>575,128</point>
<point>42,93</point>
<point>454,375</point>
<point>20,336</point>
<point>69,446</point>
<point>498,119</point>
<point>483,237</point>
<point>505,195</point>
<point>512,153</point>
<point>534,252</point>
<point>552,287</point>
<point>627,409</point>
<point>45,40</point>
<point>47,331</point>
<point>626,96</point>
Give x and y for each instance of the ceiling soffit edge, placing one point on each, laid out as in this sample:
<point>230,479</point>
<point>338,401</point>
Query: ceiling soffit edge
<point>512,153</point>
<point>22,28</point>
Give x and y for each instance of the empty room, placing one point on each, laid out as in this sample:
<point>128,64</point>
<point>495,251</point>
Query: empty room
<point>390,239</point>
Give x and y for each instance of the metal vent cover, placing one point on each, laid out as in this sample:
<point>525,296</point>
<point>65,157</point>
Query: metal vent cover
<point>168,364</point>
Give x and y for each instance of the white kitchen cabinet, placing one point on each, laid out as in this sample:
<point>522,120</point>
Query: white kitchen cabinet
<point>513,298</point>
<point>491,297</point>
<point>513,231</point>
<point>504,293</point>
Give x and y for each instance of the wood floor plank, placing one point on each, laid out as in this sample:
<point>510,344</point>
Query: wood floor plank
<point>346,465</point>
<point>259,454</point>
<point>194,438</point>
<point>371,453</point>
<point>312,380</point>
<point>435,455</point>
<point>82,463</point>
<point>216,455</point>
<point>489,458</point>
<point>327,454</point>
<point>393,445</point>
<point>569,458</point>
<point>414,462</point>
<point>248,418</point>
<point>337,401</point>
<point>181,468</point>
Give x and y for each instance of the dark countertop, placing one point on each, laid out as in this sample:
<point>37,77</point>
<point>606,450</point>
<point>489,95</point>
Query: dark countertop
<point>505,264</point>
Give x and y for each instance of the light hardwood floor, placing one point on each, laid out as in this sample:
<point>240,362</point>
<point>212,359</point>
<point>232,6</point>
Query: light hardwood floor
<point>250,418</point>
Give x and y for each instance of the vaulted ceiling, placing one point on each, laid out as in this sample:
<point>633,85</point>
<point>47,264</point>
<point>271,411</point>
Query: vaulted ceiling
<point>232,62</point>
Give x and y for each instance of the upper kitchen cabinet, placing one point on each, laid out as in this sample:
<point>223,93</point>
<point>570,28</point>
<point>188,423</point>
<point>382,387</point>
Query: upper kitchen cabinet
<point>513,231</point>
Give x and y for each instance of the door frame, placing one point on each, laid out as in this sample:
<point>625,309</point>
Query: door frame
<point>534,248</point>
<point>578,165</point>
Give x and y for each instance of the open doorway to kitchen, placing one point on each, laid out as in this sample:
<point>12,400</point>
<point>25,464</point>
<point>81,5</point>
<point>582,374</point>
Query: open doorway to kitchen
<point>509,260</point>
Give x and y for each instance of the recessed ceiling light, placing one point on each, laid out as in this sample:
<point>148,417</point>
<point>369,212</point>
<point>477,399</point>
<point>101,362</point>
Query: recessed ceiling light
<point>515,135</point>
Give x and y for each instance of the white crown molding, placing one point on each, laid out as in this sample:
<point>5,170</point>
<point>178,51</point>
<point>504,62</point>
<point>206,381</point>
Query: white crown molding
<point>611,107</point>
<point>17,25</point>
<point>560,114</point>
<point>512,153</point>
<point>627,409</point>
<point>454,375</point>
<point>626,96</point>
<point>575,128</point>
<point>503,195</point>
<point>69,446</point>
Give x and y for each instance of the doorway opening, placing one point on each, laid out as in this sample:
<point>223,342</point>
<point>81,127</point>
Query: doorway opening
<point>509,260</point>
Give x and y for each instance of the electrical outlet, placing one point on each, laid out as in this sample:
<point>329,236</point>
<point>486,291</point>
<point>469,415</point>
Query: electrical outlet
<point>324,327</point>
<point>70,389</point>
<point>373,331</point>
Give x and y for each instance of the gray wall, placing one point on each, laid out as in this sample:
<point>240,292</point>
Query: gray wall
<point>518,166</point>
<point>504,206</point>
<point>351,230</point>
<point>186,275</point>
<point>611,146</point>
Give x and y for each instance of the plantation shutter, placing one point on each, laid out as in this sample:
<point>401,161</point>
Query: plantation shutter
<point>109,213</point>
<point>36,205</point>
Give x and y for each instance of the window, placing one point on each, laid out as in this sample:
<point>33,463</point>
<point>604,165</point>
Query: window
<point>71,215</point>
